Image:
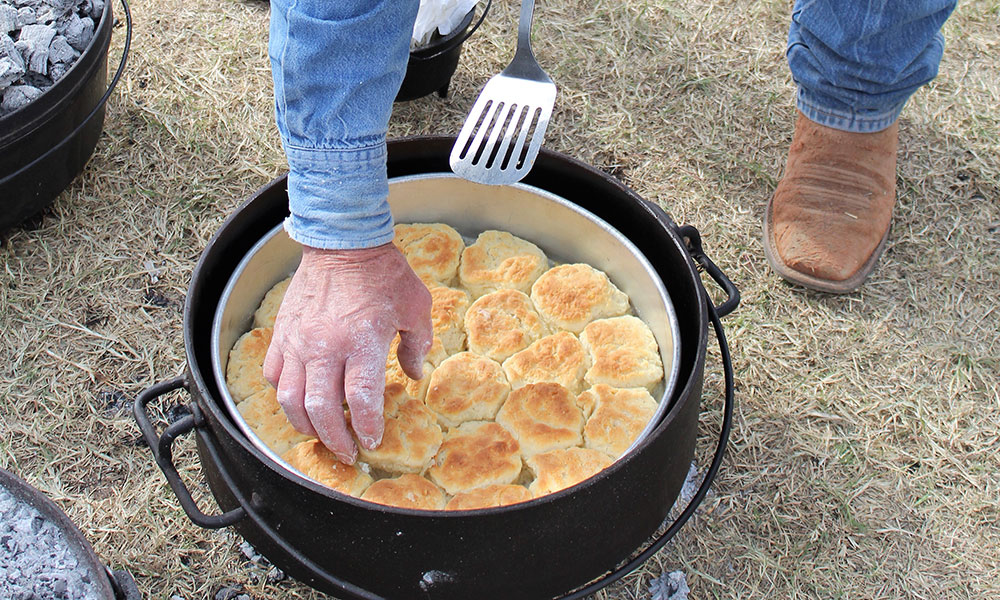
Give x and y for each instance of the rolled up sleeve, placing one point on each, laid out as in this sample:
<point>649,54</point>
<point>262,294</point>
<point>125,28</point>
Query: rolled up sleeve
<point>337,67</point>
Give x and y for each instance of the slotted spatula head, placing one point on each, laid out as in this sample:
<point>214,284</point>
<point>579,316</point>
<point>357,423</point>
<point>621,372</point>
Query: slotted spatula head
<point>504,130</point>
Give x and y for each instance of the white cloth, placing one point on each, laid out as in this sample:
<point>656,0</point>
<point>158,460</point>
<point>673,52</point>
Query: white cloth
<point>441,15</point>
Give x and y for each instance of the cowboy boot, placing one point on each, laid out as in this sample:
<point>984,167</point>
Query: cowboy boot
<point>828,220</point>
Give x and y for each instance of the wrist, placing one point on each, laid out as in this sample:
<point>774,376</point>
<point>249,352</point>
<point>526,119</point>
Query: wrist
<point>312,256</point>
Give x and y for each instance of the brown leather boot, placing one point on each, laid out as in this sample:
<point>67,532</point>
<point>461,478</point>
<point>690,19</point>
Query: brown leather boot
<point>828,220</point>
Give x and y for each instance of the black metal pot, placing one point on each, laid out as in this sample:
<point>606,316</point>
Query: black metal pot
<point>108,584</point>
<point>429,69</point>
<point>568,543</point>
<point>45,144</point>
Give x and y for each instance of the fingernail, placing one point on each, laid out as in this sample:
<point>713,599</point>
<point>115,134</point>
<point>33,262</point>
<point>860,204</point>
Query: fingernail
<point>370,442</point>
<point>348,459</point>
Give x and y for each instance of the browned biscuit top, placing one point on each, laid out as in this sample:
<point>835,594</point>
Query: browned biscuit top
<point>245,369</point>
<point>500,260</point>
<point>265,417</point>
<point>560,469</point>
<point>448,308</point>
<point>542,417</point>
<point>266,313</point>
<point>315,461</point>
<point>559,358</point>
<point>623,353</point>
<point>406,491</point>
<point>411,436</point>
<point>433,250</point>
<point>489,496</point>
<point>466,387</point>
<point>476,454</point>
<point>619,416</point>
<point>501,323</point>
<point>572,295</point>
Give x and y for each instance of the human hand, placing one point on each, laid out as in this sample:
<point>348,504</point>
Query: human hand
<point>331,339</point>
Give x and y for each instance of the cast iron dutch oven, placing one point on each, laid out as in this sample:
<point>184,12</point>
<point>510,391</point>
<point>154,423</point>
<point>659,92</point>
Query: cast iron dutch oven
<point>45,144</point>
<point>568,544</point>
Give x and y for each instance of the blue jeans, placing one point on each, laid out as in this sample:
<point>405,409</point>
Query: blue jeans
<point>337,66</point>
<point>857,62</point>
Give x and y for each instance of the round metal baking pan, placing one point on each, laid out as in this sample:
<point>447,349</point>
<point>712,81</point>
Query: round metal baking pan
<point>563,230</point>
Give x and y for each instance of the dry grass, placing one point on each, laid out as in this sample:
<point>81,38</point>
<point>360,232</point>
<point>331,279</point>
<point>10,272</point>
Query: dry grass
<point>864,455</point>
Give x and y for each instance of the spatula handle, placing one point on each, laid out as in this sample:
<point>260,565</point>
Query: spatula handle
<point>524,25</point>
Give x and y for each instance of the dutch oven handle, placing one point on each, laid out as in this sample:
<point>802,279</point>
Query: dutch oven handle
<point>692,239</point>
<point>162,448</point>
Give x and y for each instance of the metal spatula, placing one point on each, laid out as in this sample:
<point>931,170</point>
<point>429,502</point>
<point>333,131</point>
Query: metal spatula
<point>503,132</point>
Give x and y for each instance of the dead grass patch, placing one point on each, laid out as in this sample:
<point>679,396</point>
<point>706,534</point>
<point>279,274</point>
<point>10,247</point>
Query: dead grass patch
<point>864,454</point>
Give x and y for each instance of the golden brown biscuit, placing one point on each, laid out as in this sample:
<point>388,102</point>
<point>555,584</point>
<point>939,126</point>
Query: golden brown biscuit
<point>406,491</point>
<point>499,260</point>
<point>411,438</point>
<point>466,387</point>
<point>265,314</point>
<point>315,461</point>
<point>265,417</point>
<point>570,296</point>
<point>416,388</point>
<point>502,323</point>
<point>474,455</point>
<point>489,497</point>
<point>448,308</point>
<point>542,417</point>
<point>432,249</point>
<point>559,357</point>
<point>560,469</point>
<point>619,416</point>
<point>245,370</point>
<point>622,352</point>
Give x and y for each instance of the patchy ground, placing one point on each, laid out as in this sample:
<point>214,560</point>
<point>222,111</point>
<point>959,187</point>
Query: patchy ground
<point>864,458</point>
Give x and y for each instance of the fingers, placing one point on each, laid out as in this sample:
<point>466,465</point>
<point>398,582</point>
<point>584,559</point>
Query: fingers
<point>273,363</point>
<point>291,395</point>
<point>415,341</point>
<point>324,403</point>
<point>364,386</point>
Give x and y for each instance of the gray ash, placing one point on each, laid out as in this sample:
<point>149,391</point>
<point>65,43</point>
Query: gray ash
<point>40,40</point>
<point>36,559</point>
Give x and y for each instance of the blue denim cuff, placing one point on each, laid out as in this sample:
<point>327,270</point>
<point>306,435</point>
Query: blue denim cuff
<point>338,198</point>
<point>866,121</point>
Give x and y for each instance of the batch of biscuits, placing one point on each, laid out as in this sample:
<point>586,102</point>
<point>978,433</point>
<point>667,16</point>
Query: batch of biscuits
<point>539,377</point>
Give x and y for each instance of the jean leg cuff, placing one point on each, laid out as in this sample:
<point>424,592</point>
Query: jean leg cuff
<point>868,121</point>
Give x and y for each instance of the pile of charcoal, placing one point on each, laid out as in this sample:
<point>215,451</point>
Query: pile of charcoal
<point>40,40</point>
<point>36,559</point>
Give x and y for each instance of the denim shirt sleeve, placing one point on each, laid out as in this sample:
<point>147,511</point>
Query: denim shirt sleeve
<point>337,66</point>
